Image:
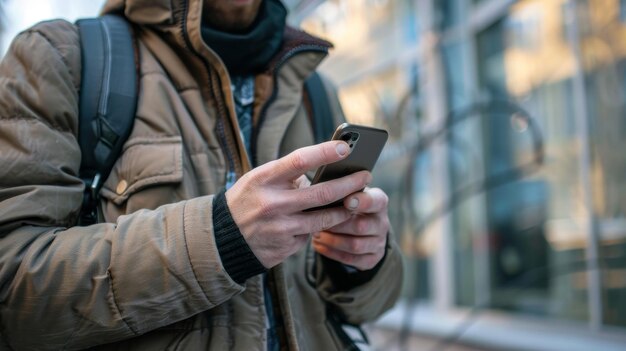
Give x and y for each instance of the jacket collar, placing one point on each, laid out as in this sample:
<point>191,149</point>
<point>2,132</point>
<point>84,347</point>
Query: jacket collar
<point>180,21</point>
<point>162,13</point>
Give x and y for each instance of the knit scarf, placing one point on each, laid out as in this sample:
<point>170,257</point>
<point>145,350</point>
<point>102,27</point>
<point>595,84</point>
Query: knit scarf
<point>250,52</point>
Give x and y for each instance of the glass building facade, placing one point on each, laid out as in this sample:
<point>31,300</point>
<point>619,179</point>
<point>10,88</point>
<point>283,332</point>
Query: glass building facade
<point>506,164</point>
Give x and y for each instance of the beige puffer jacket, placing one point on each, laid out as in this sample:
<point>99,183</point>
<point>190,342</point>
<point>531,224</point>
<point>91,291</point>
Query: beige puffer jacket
<point>150,278</point>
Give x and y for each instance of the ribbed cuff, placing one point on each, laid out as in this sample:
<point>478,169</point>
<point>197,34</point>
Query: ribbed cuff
<point>237,257</point>
<point>345,277</point>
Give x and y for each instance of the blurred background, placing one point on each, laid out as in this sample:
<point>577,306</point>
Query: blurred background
<point>506,164</point>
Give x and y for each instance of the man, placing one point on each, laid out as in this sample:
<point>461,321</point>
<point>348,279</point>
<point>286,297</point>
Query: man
<point>177,262</point>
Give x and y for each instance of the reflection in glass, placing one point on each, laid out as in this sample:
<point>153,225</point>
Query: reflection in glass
<point>535,245</point>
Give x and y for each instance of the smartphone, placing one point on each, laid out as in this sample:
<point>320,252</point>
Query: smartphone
<point>366,144</point>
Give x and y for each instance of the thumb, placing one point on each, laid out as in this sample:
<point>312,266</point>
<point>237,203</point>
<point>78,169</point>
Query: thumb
<point>302,182</point>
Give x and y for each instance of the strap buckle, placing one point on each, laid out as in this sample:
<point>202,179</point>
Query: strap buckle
<point>94,187</point>
<point>88,214</point>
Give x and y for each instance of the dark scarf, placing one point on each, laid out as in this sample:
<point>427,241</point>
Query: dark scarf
<point>249,52</point>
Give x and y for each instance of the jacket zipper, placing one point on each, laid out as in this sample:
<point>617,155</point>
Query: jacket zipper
<point>291,53</point>
<point>221,133</point>
<point>255,131</point>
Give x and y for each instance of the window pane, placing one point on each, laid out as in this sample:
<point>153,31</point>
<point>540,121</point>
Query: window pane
<point>605,59</point>
<point>464,164</point>
<point>532,242</point>
<point>448,13</point>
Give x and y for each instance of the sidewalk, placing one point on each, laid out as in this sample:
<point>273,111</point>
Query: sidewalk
<point>388,340</point>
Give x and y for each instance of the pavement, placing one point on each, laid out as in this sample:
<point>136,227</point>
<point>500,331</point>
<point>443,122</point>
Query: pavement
<point>390,340</point>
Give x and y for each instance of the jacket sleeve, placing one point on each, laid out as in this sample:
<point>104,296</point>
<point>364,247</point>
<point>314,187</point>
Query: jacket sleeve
<point>67,287</point>
<point>364,296</point>
<point>364,301</point>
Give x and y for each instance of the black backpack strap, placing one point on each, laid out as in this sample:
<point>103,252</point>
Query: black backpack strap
<point>108,101</point>
<point>320,115</point>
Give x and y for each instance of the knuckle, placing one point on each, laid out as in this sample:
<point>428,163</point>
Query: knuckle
<point>329,218</point>
<point>362,225</point>
<point>266,208</point>
<point>356,246</point>
<point>256,177</point>
<point>324,195</point>
<point>326,220</point>
<point>297,162</point>
<point>384,200</point>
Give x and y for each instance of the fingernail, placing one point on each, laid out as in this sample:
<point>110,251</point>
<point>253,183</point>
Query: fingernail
<point>353,204</point>
<point>342,149</point>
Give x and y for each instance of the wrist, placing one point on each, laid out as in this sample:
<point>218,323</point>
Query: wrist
<point>237,257</point>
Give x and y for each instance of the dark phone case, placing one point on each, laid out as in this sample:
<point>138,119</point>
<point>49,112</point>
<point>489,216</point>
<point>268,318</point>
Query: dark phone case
<point>363,155</point>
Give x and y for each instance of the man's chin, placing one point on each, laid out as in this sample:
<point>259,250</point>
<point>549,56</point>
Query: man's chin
<point>242,2</point>
<point>233,15</point>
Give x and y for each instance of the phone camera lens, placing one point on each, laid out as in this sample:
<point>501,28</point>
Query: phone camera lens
<point>346,137</point>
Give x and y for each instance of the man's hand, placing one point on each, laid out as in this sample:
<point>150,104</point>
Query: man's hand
<point>360,241</point>
<point>267,202</point>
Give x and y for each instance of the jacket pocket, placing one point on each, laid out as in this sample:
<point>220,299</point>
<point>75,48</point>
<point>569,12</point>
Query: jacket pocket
<point>144,163</point>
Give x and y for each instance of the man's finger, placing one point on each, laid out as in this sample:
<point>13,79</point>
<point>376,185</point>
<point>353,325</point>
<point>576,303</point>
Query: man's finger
<point>317,221</point>
<point>298,199</point>
<point>370,200</point>
<point>327,192</point>
<point>305,159</point>
<point>356,245</point>
<point>363,225</point>
<point>361,262</point>
<point>302,182</point>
